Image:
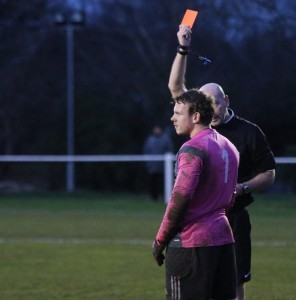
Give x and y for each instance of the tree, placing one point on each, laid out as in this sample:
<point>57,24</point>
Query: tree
<point>123,56</point>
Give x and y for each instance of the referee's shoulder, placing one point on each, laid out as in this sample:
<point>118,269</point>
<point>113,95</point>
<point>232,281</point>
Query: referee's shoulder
<point>246,124</point>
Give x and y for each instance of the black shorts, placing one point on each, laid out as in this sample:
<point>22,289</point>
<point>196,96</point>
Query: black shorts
<point>200,273</point>
<point>241,227</point>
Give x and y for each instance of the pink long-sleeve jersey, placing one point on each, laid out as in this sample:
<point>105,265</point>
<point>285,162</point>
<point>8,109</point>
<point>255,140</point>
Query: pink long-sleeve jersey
<point>206,176</point>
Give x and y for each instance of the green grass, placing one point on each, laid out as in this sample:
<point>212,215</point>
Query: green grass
<point>97,246</point>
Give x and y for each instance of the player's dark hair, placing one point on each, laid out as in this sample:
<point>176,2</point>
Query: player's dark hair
<point>198,102</point>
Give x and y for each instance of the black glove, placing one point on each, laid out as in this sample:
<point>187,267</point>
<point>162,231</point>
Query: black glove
<point>157,249</point>
<point>242,201</point>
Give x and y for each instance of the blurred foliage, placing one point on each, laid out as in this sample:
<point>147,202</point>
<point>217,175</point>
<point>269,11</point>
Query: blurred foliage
<point>123,55</point>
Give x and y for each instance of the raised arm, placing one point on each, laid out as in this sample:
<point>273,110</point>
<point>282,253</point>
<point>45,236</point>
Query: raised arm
<point>177,76</point>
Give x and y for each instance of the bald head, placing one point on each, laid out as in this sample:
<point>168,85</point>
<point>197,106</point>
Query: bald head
<point>221,113</point>
<point>213,89</point>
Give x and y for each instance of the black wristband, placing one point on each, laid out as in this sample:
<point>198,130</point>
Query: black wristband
<point>183,50</point>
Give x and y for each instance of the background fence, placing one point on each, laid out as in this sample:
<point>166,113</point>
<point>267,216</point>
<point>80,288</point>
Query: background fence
<point>167,158</point>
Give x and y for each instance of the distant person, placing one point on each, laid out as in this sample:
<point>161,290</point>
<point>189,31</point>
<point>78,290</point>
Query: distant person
<point>158,142</point>
<point>257,164</point>
<point>200,259</point>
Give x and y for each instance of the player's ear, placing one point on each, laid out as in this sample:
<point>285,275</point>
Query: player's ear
<point>226,99</point>
<point>196,117</point>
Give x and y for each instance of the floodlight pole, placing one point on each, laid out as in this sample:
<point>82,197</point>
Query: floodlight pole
<point>70,20</point>
<point>70,107</point>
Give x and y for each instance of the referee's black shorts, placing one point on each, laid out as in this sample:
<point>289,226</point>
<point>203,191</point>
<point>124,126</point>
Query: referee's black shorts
<point>241,226</point>
<point>201,273</point>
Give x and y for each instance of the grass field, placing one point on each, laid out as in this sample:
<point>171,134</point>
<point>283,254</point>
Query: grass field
<point>97,246</point>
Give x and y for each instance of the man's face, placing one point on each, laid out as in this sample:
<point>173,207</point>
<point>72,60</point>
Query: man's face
<point>181,119</point>
<point>220,110</point>
<point>221,102</point>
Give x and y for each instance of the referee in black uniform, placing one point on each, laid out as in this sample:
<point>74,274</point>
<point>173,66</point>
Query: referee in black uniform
<point>256,171</point>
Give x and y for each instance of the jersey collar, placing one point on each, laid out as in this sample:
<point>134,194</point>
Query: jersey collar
<point>231,115</point>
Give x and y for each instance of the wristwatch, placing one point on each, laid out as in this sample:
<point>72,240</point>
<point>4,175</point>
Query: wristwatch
<point>246,189</point>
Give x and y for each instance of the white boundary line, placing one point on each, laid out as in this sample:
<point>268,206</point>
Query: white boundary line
<point>75,241</point>
<point>71,241</point>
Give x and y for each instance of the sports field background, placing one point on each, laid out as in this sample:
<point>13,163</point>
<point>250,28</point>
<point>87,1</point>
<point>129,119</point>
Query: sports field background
<point>98,246</point>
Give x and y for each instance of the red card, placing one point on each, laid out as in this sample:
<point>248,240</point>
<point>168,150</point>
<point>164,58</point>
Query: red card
<point>189,17</point>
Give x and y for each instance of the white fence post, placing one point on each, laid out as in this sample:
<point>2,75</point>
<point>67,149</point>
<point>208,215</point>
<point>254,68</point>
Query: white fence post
<point>168,176</point>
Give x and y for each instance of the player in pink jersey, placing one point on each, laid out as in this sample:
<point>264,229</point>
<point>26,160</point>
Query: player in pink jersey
<point>200,259</point>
